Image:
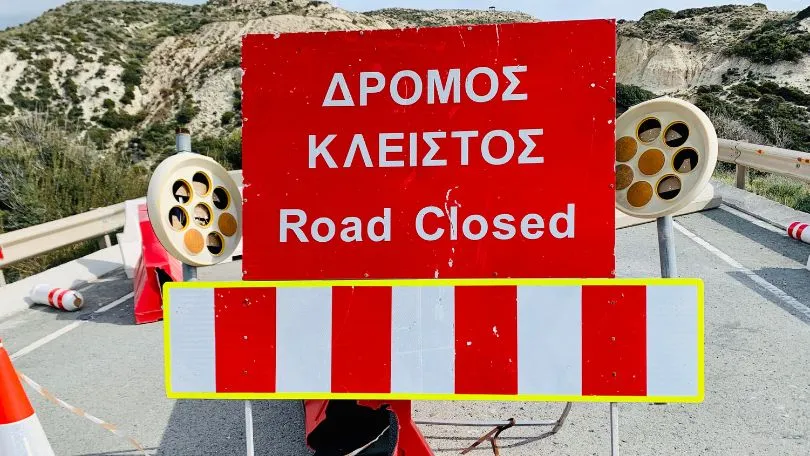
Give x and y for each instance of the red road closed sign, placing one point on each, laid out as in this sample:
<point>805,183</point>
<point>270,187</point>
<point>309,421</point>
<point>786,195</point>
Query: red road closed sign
<point>453,152</point>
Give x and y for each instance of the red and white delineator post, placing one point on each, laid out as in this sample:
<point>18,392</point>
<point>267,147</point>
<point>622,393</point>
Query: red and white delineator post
<point>799,231</point>
<point>21,434</point>
<point>58,298</point>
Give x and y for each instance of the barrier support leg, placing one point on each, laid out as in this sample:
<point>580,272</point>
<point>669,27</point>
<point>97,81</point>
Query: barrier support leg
<point>614,429</point>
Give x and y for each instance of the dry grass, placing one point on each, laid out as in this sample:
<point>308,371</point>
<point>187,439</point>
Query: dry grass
<point>47,172</point>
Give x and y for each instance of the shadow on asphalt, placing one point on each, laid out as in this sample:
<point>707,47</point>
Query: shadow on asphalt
<point>217,427</point>
<point>778,243</point>
<point>794,282</point>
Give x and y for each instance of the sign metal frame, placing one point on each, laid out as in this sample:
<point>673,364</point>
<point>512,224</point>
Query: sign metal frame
<point>679,282</point>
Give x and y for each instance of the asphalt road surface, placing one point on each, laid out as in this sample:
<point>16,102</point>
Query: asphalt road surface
<point>757,367</point>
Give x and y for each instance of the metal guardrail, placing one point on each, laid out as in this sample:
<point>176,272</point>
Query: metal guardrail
<point>99,223</point>
<point>785,162</point>
<point>36,240</point>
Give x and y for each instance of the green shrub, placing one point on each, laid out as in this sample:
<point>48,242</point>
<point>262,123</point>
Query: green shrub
<point>226,150</point>
<point>108,104</point>
<point>43,65</point>
<point>731,73</point>
<point>227,117</point>
<point>6,110</point>
<point>71,90</point>
<point>714,88</point>
<point>746,90</point>
<point>774,41</point>
<point>738,24</point>
<point>690,36</point>
<point>49,173</point>
<point>630,95</point>
<point>132,74</point>
<point>119,120</point>
<point>188,110</point>
<point>100,137</point>
<point>657,15</point>
<point>128,96</point>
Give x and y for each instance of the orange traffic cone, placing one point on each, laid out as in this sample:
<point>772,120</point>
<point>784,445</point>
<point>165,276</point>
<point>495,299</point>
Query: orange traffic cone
<point>20,431</point>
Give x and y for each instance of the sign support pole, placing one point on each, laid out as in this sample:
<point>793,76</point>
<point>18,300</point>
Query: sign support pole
<point>614,429</point>
<point>669,269</point>
<point>666,247</point>
<point>190,275</point>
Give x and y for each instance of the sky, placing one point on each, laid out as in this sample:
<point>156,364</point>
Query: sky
<point>14,12</point>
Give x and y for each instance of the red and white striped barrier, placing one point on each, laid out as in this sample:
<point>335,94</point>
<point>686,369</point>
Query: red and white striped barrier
<point>524,339</point>
<point>58,298</point>
<point>799,231</point>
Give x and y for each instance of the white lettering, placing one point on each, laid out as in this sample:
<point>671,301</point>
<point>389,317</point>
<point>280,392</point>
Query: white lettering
<point>465,144</point>
<point>338,80</point>
<point>420,228</point>
<point>352,231</point>
<point>385,221</point>
<point>413,158</point>
<point>430,138</point>
<point>569,219</point>
<point>330,229</point>
<point>296,227</point>
<point>417,87</point>
<point>509,94</point>
<point>531,222</point>
<point>482,222</point>
<point>510,147</point>
<point>316,150</point>
<point>526,136</point>
<point>470,85</point>
<point>358,143</point>
<point>385,149</point>
<point>506,230</point>
<point>365,89</point>
<point>452,85</point>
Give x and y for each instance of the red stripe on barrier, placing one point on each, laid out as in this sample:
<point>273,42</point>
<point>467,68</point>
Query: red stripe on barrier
<point>60,297</point>
<point>245,339</point>
<point>50,296</point>
<point>614,340</point>
<point>1,253</point>
<point>791,229</point>
<point>361,339</point>
<point>486,340</point>
<point>800,230</point>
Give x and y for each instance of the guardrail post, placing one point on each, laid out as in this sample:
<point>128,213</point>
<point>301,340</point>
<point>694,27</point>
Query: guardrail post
<point>104,242</point>
<point>742,174</point>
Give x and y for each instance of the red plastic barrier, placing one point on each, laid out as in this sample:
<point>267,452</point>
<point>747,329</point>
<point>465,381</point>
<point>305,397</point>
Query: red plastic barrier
<point>154,268</point>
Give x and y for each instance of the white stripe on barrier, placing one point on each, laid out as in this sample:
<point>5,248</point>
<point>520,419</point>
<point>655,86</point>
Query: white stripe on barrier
<point>192,339</point>
<point>423,340</point>
<point>551,317</point>
<point>303,339</point>
<point>671,341</point>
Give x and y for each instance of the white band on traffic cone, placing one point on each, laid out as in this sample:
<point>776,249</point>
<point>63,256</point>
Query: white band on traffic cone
<point>58,298</point>
<point>24,438</point>
<point>799,231</point>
